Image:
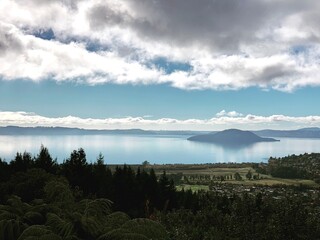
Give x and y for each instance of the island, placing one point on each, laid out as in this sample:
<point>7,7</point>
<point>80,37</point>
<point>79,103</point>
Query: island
<point>232,137</point>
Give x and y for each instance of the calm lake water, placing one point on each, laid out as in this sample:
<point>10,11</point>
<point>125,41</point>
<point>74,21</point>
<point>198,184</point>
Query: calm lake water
<point>119,149</point>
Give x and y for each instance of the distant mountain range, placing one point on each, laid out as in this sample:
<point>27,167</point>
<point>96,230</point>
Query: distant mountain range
<point>299,133</point>
<point>13,130</point>
<point>231,137</point>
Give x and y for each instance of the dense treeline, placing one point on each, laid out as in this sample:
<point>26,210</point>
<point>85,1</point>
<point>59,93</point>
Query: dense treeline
<point>245,217</point>
<point>41,199</point>
<point>79,200</point>
<point>136,193</point>
<point>303,166</point>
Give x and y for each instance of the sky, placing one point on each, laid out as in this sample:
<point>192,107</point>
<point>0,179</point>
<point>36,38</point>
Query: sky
<point>160,64</point>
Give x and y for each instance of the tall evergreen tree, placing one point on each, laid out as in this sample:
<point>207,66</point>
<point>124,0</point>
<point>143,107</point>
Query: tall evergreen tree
<point>77,171</point>
<point>22,162</point>
<point>45,161</point>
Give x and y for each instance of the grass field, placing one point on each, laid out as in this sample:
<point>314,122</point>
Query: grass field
<point>189,170</point>
<point>193,188</point>
<point>276,181</point>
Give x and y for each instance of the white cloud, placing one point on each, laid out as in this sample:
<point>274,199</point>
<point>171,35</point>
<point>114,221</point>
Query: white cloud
<point>229,114</point>
<point>229,45</point>
<point>39,59</point>
<point>223,121</point>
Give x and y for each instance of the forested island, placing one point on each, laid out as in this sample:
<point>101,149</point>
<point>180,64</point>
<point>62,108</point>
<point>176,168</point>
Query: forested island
<point>80,199</point>
<point>232,137</point>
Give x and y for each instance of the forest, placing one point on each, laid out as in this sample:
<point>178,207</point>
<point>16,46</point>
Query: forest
<point>77,199</point>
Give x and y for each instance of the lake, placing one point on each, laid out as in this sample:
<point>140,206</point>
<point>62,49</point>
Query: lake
<point>134,149</point>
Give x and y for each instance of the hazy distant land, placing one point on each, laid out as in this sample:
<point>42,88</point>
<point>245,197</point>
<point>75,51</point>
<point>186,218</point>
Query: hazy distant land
<point>14,130</point>
<point>299,133</point>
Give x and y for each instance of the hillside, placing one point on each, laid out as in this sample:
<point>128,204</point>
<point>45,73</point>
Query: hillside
<point>299,133</point>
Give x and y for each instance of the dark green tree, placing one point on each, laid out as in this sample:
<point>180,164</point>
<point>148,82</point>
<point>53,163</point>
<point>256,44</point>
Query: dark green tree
<point>102,178</point>
<point>45,161</point>
<point>249,175</point>
<point>237,176</point>
<point>4,171</point>
<point>166,193</point>
<point>77,170</point>
<point>22,162</point>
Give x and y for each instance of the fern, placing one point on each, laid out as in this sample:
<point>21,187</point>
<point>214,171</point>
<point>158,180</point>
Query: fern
<point>16,209</point>
<point>120,234</point>
<point>139,228</point>
<point>17,206</point>
<point>37,202</point>
<point>58,192</point>
<point>91,226</point>
<point>61,227</point>
<point>150,229</point>
<point>38,232</point>
<point>9,229</point>
<point>33,218</point>
<point>5,215</point>
<point>5,208</point>
<point>99,207</point>
<point>115,220</point>
<point>40,207</point>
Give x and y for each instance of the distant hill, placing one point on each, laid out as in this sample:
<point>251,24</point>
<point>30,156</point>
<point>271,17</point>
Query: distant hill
<point>231,137</point>
<point>299,133</point>
<point>14,130</point>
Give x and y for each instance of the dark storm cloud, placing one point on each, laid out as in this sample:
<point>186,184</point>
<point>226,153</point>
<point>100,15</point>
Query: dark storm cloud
<point>275,72</point>
<point>102,15</point>
<point>188,44</point>
<point>217,24</point>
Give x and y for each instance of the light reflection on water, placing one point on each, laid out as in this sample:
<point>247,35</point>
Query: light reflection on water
<point>165,149</point>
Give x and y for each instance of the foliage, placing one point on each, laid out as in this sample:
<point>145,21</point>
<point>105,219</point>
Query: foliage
<point>38,232</point>
<point>237,176</point>
<point>41,199</point>
<point>137,229</point>
<point>45,161</point>
<point>304,166</point>
<point>244,217</point>
<point>86,219</point>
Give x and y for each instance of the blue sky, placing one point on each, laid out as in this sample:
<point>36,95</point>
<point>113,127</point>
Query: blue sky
<point>154,65</point>
<point>54,100</point>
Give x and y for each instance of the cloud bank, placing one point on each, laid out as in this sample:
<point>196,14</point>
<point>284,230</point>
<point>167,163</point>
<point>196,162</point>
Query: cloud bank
<point>223,44</point>
<point>220,122</point>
